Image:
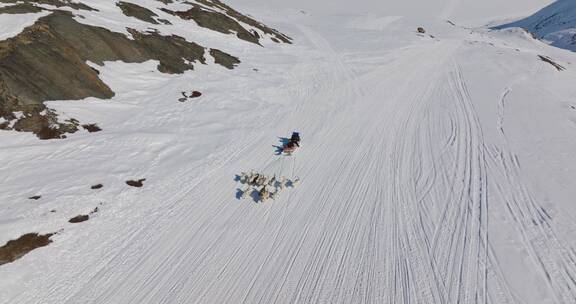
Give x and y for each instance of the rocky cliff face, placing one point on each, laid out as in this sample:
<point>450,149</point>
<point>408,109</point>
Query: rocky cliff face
<point>49,60</point>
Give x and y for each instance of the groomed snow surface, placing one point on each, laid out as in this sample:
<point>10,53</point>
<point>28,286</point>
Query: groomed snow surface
<point>435,168</point>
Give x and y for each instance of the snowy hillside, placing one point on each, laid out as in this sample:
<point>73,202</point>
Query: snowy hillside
<point>555,24</point>
<point>51,45</point>
<point>436,165</point>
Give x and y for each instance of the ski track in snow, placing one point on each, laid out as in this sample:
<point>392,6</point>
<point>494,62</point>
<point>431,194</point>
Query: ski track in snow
<point>399,185</point>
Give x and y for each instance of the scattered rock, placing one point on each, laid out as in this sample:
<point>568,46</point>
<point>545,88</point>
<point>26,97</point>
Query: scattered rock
<point>193,94</point>
<point>99,186</point>
<point>35,197</point>
<point>134,183</point>
<point>550,61</point>
<point>421,30</point>
<point>15,249</point>
<point>91,128</point>
<point>79,219</point>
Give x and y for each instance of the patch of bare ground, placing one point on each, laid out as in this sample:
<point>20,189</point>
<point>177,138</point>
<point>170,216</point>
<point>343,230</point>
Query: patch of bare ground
<point>136,183</point>
<point>134,10</point>
<point>83,217</point>
<point>224,59</point>
<point>79,219</point>
<point>98,186</point>
<point>15,249</point>
<point>35,197</point>
<point>22,8</point>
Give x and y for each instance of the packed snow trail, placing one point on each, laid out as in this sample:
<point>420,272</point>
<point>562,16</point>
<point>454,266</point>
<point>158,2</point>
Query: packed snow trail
<point>410,193</point>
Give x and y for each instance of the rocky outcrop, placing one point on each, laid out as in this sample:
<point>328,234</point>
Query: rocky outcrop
<point>210,15</point>
<point>139,12</point>
<point>276,36</point>
<point>56,3</point>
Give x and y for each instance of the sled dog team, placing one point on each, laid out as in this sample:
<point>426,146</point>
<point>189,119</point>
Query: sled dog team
<point>270,185</point>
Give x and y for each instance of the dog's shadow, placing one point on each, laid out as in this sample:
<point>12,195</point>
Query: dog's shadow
<point>283,141</point>
<point>254,195</point>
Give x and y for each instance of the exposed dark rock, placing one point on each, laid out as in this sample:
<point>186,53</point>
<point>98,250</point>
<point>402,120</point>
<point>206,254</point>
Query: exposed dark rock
<point>138,12</point>
<point>243,18</point>
<point>216,21</point>
<point>550,61</point>
<point>22,8</point>
<point>91,128</point>
<point>136,183</point>
<point>57,3</point>
<point>176,55</point>
<point>224,59</point>
<point>15,249</point>
<point>99,186</point>
<point>79,219</point>
<point>35,197</point>
<point>421,30</point>
<point>195,94</point>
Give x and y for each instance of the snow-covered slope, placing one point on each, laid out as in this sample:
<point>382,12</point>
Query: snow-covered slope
<point>435,168</point>
<point>50,58</point>
<point>555,24</point>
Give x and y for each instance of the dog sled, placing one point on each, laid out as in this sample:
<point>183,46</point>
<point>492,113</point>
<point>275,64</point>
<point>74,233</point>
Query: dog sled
<point>292,144</point>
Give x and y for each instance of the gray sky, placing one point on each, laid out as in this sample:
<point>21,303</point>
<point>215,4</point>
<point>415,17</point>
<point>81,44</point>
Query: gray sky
<point>458,10</point>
